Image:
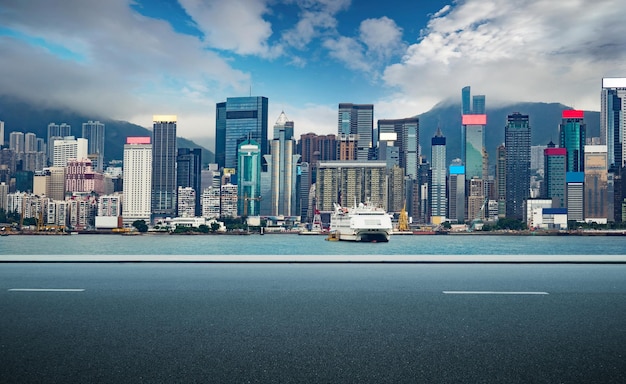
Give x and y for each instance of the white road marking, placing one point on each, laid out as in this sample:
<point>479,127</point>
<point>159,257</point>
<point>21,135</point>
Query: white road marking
<point>493,293</point>
<point>46,290</point>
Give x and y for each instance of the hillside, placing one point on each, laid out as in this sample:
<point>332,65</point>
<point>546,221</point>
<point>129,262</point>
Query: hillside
<point>544,121</point>
<point>23,117</point>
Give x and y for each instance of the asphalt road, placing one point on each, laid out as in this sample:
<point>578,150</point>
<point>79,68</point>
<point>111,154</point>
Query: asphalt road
<point>312,323</point>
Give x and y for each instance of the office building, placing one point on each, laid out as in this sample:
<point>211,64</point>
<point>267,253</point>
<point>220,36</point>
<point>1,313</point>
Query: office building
<point>596,199</point>
<point>137,189</point>
<point>466,106</point>
<point>237,120</point>
<point>537,157</point>
<point>613,120</point>
<point>517,146</point>
<point>438,200</point>
<point>282,167</point>
<point>358,119</point>
<point>406,140</point>
<point>501,180</point>
<point>575,195</point>
<point>473,131</point>
<point>1,133</point>
<point>55,183</point>
<point>189,173</point>
<point>554,182</point>
<point>68,148</point>
<point>93,131</point>
<point>456,193</point>
<point>350,182</point>
<point>56,132</point>
<point>30,142</point>
<point>572,137</point>
<point>249,179</point>
<point>164,166</point>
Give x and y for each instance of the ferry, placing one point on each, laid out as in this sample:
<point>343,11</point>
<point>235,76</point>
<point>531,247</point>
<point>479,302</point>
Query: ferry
<point>363,222</point>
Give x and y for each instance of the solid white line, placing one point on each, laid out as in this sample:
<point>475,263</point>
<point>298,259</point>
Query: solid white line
<point>493,293</point>
<point>46,290</point>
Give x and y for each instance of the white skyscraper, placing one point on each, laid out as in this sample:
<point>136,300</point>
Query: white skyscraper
<point>69,148</point>
<point>137,200</point>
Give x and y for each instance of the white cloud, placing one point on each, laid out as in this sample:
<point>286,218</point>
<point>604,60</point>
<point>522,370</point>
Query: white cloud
<point>234,25</point>
<point>533,50</point>
<point>381,36</point>
<point>348,51</point>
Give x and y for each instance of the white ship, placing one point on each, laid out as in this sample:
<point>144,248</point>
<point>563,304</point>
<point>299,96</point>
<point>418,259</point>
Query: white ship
<point>364,222</point>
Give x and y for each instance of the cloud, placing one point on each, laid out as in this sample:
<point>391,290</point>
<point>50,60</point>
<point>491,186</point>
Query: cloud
<point>128,65</point>
<point>378,41</point>
<point>234,25</point>
<point>531,50</point>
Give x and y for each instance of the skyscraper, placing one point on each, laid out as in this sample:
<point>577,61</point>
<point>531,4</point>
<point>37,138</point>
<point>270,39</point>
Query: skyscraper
<point>249,173</point>
<point>572,136</point>
<point>473,130</point>
<point>613,120</point>
<point>466,106</point>
<point>237,120</point>
<point>554,181</point>
<point>438,178</point>
<point>407,142</point>
<point>501,179</point>
<point>456,192</point>
<point>16,142</point>
<point>30,142</point>
<point>56,132</point>
<point>517,145</point>
<point>358,119</point>
<point>137,194</point>
<point>1,133</point>
<point>282,166</point>
<point>596,201</point>
<point>68,148</point>
<point>164,166</point>
<point>93,131</point>
<point>189,173</point>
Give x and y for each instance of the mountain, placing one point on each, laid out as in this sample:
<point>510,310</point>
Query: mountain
<point>24,117</point>
<point>544,124</point>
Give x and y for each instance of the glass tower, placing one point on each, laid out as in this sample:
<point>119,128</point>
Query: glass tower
<point>517,145</point>
<point>237,120</point>
<point>572,131</point>
<point>407,142</point>
<point>93,131</point>
<point>249,188</point>
<point>613,120</point>
<point>164,188</point>
<point>358,119</point>
<point>438,206</point>
<point>189,171</point>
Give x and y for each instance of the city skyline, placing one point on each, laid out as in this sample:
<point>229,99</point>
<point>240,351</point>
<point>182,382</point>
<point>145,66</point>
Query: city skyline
<point>306,57</point>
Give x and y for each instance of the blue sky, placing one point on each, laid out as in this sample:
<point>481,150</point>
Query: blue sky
<point>129,60</point>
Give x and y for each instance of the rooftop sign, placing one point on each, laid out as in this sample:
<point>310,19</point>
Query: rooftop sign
<point>474,119</point>
<point>573,114</point>
<point>138,140</point>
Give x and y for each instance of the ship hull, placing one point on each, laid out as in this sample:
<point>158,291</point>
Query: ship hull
<point>361,224</point>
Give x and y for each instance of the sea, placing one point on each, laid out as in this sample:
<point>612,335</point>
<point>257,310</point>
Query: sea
<point>293,244</point>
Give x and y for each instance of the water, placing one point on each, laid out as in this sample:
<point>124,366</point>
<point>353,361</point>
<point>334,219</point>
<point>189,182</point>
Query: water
<point>310,245</point>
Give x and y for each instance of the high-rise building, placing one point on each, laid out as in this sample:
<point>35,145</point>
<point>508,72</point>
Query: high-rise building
<point>16,142</point>
<point>517,146</point>
<point>4,191</point>
<point>56,132</point>
<point>68,148</point>
<point>473,130</point>
<point>137,196</point>
<point>456,193</point>
<point>186,202</point>
<point>572,137</point>
<point>30,142</point>
<point>282,165</point>
<point>575,195</point>
<point>501,179</point>
<point>93,131</point>
<point>554,182</point>
<point>55,183</point>
<point>164,166</point>
<point>249,174</point>
<point>358,119</point>
<point>613,120</point>
<point>407,142</point>
<point>347,182</point>
<point>478,105</point>
<point>438,206</point>
<point>466,106</point>
<point>596,200</point>
<point>189,173</point>
<point>80,177</point>
<point>1,133</point>
<point>237,120</point>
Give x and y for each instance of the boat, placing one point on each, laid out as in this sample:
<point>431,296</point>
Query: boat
<point>362,222</point>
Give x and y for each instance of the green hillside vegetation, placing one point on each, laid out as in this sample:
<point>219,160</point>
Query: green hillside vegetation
<point>24,117</point>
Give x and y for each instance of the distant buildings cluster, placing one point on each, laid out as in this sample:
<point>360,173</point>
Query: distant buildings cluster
<point>62,182</point>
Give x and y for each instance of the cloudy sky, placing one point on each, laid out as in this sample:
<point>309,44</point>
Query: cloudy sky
<point>128,60</point>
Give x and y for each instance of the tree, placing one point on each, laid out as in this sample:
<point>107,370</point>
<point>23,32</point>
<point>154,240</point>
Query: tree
<point>203,228</point>
<point>215,226</point>
<point>140,225</point>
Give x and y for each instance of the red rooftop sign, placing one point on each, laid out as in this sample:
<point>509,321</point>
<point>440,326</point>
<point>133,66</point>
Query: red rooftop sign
<point>474,119</point>
<point>573,114</point>
<point>138,140</point>
<point>555,151</point>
